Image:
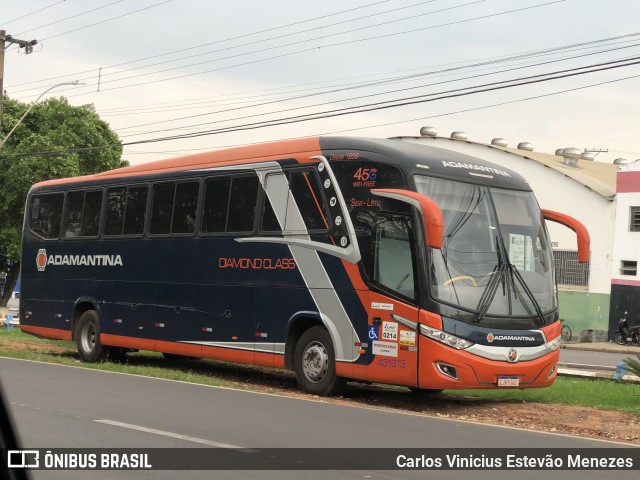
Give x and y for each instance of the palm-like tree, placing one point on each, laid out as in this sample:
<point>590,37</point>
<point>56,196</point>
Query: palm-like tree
<point>633,365</point>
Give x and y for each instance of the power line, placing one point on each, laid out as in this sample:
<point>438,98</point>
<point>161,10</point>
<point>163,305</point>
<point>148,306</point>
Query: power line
<point>108,19</point>
<point>305,50</point>
<point>261,41</point>
<point>210,43</point>
<point>145,108</point>
<point>70,17</point>
<point>530,65</point>
<point>398,122</point>
<point>410,100</point>
<point>278,37</point>
<point>32,13</point>
<point>482,107</point>
<point>479,89</point>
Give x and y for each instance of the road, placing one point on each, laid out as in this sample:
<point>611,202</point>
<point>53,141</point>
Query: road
<point>57,407</point>
<point>591,358</point>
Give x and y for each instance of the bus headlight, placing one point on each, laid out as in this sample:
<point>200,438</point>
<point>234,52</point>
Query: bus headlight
<point>554,344</point>
<point>446,338</point>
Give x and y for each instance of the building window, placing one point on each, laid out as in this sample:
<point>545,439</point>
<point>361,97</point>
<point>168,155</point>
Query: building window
<point>628,267</point>
<point>568,270</point>
<point>634,219</point>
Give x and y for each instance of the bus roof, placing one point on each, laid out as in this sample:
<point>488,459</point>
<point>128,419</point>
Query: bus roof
<point>415,159</point>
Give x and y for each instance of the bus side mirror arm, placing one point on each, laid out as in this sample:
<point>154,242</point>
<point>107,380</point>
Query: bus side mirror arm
<point>584,240</point>
<point>431,213</point>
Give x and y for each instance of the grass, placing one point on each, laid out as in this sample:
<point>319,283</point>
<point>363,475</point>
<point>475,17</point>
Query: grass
<point>15,344</point>
<point>602,394</point>
<point>599,393</point>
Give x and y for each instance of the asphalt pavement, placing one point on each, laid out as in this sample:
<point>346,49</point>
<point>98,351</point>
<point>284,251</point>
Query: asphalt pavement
<point>65,407</point>
<point>596,360</point>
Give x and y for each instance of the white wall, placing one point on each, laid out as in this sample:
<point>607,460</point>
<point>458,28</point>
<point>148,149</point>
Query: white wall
<point>555,191</point>
<point>627,243</point>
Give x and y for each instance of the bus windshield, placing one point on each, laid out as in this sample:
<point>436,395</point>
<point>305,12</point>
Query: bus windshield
<point>495,259</point>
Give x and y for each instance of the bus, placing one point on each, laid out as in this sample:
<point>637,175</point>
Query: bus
<point>338,258</point>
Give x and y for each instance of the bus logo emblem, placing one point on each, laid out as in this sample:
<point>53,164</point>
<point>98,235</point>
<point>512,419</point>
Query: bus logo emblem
<point>490,337</point>
<point>512,356</point>
<point>41,259</point>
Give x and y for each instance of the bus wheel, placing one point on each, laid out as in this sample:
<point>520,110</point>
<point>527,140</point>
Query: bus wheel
<point>426,391</point>
<point>88,338</point>
<point>315,363</point>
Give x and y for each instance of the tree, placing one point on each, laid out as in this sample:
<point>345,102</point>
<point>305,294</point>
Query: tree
<point>42,148</point>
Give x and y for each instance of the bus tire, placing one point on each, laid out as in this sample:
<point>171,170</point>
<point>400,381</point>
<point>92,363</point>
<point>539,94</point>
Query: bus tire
<point>88,338</point>
<point>315,363</point>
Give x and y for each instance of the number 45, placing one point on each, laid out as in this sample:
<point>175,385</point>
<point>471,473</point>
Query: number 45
<point>362,174</point>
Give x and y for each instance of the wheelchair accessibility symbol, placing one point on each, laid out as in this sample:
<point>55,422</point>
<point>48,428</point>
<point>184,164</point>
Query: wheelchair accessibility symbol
<point>373,333</point>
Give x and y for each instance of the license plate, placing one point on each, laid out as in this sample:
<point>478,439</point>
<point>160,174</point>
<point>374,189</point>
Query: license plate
<point>508,381</point>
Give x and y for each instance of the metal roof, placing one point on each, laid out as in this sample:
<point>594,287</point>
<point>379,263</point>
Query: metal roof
<point>597,176</point>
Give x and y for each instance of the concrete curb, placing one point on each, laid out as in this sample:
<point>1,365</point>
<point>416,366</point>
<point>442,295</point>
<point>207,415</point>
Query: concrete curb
<point>608,347</point>
<point>590,368</point>
<point>602,374</point>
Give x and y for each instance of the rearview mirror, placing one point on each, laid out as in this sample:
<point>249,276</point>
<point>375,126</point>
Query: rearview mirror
<point>584,240</point>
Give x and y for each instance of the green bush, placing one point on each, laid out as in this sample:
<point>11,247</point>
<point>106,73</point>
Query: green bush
<point>633,365</point>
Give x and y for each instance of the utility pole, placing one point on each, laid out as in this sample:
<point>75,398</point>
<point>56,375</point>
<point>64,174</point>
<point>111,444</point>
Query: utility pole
<point>4,41</point>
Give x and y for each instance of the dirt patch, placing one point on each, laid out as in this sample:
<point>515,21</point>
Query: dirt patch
<point>566,419</point>
<point>555,418</point>
<point>34,346</point>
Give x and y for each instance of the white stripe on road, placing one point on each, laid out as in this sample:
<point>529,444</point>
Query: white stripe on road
<point>203,441</point>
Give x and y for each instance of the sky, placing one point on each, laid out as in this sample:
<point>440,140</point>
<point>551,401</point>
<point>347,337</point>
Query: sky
<point>217,71</point>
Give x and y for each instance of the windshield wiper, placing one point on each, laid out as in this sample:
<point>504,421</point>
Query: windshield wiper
<point>500,273</point>
<point>529,293</point>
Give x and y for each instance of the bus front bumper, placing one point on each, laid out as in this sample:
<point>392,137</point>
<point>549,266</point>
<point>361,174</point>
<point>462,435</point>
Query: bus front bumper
<point>443,367</point>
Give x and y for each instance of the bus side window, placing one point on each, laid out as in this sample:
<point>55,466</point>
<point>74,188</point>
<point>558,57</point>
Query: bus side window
<point>269,220</point>
<point>73,216</point>
<point>46,215</point>
<point>304,188</point>
<point>216,201</point>
<point>82,218</point>
<point>174,208</point>
<point>136,210</point>
<point>91,214</point>
<point>393,262</point>
<point>116,202</point>
<point>230,204</point>
<point>125,212</point>
<point>308,196</point>
<point>184,207</point>
<point>162,208</point>
<point>242,204</point>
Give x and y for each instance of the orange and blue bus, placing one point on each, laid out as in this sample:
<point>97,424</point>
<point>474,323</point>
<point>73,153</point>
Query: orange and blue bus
<point>338,258</point>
